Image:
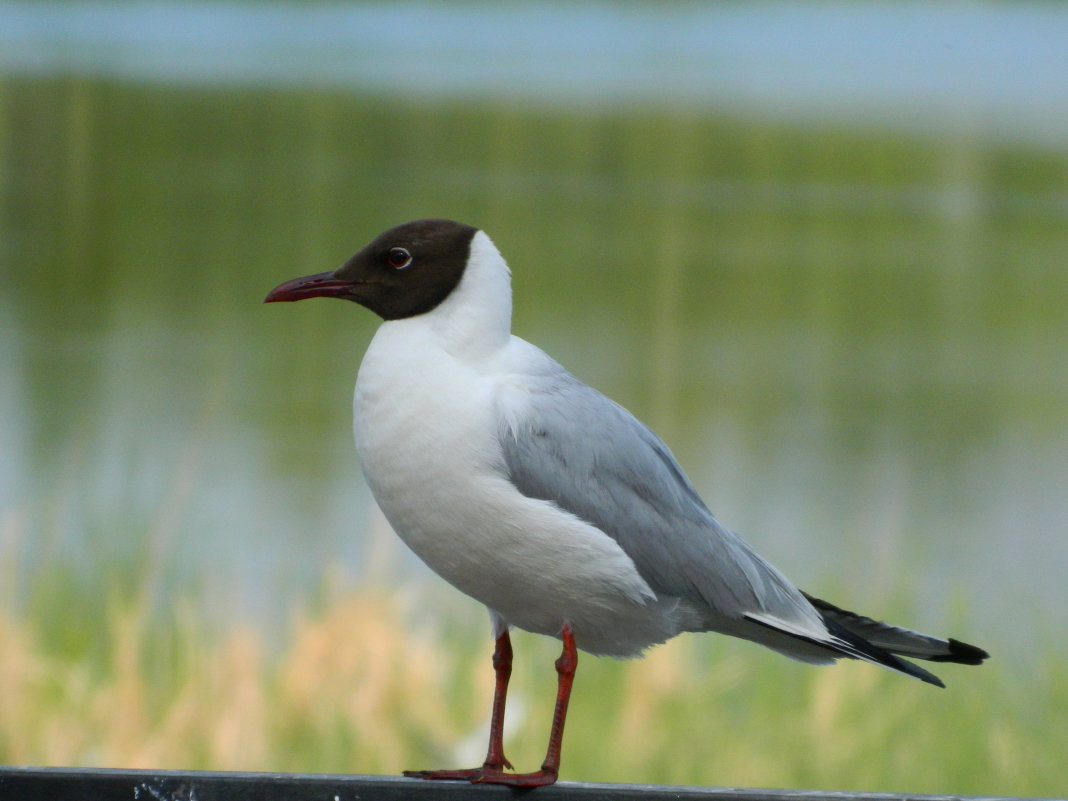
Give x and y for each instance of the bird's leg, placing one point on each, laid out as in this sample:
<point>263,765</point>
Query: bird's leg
<point>492,772</point>
<point>550,768</point>
<point>495,758</point>
<point>502,667</point>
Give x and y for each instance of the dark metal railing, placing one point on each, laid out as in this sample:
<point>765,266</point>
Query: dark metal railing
<point>87,784</point>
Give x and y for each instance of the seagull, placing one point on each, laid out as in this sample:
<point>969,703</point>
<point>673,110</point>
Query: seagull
<point>538,496</point>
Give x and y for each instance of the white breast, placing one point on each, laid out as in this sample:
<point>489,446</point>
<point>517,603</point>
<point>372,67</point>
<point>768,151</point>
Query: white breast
<point>426,420</point>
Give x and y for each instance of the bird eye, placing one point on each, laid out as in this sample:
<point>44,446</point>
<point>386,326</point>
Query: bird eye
<point>398,258</point>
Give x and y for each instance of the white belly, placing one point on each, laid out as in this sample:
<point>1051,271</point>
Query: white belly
<point>426,433</point>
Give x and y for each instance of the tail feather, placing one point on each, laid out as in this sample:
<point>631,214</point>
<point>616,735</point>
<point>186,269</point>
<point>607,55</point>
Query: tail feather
<point>844,643</point>
<point>901,641</point>
<point>859,648</point>
<point>858,637</point>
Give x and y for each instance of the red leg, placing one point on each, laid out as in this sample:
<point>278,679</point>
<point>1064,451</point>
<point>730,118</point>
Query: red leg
<point>550,768</point>
<point>502,666</point>
<point>492,772</point>
<point>495,759</point>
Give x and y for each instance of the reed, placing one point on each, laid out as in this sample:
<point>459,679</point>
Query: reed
<point>366,683</point>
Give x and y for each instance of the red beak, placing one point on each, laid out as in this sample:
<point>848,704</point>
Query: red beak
<point>321,285</point>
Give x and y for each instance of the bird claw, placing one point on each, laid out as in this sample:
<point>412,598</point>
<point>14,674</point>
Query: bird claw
<point>539,778</point>
<point>488,775</point>
<point>468,774</point>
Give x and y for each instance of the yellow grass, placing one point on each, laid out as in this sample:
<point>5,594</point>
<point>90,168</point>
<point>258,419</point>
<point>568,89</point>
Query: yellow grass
<point>359,686</point>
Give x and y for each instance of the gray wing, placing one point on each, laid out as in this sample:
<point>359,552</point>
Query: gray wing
<point>566,443</point>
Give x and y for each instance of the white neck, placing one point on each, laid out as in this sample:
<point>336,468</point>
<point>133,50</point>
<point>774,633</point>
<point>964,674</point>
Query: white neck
<point>476,317</point>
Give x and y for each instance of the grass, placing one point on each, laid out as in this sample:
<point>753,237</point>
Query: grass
<point>365,684</point>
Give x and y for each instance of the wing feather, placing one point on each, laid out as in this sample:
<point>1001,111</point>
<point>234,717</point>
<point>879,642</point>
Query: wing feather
<point>566,443</point>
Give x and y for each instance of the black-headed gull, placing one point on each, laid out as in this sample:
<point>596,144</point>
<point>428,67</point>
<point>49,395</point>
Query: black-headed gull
<point>538,496</point>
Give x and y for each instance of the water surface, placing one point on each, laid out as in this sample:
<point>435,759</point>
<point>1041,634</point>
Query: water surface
<point>850,330</point>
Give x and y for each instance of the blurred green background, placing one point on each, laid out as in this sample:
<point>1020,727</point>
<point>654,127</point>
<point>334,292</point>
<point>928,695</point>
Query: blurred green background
<point>821,248</point>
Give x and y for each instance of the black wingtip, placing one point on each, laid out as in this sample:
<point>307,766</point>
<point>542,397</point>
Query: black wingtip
<point>858,647</point>
<point>853,646</point>
<point>962,653</point>
<point>926,676</point>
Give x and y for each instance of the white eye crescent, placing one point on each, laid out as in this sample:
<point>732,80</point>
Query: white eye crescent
<point>399,258</point>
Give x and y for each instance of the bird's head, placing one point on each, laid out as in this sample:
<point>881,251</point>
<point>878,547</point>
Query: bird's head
<point>404,272</point>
